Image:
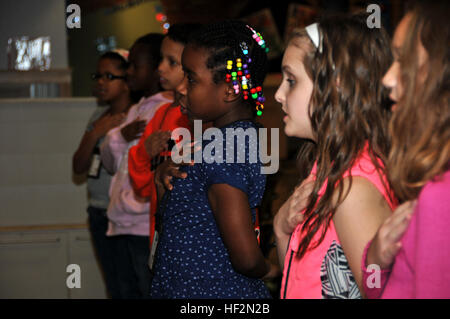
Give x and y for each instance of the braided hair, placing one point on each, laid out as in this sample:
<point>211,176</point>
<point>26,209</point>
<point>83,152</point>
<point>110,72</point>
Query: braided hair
<point>223,40</point>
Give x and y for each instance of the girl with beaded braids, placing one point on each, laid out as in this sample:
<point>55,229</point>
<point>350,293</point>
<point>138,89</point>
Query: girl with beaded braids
<point>207,246</point>
<point>334,99</point>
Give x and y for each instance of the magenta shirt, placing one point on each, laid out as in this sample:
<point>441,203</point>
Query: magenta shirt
<point>422,267</point>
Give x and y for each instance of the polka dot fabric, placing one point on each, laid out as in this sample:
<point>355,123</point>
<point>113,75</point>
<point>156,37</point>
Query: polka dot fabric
<point>191,259</point>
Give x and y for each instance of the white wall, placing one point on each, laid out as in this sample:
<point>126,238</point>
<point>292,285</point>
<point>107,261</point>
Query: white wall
<point>37,140</point>
<point>35,18</point>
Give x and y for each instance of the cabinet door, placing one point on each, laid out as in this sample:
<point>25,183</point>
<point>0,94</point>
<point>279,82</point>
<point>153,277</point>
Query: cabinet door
<point>81,253</point>
<point>33,265</point>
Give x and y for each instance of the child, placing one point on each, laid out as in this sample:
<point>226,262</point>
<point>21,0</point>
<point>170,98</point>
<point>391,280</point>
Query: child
<point>112,90</point>
<point>127,212</point>
<point>207,246</point>
<point>143,158</point>
<point>417,265</point>
<point>332,96</point>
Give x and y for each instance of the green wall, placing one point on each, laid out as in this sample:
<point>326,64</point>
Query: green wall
<point>126,25</point>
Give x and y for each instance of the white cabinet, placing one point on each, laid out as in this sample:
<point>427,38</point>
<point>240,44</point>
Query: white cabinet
<point>81,253</point>
<point>33,265</point>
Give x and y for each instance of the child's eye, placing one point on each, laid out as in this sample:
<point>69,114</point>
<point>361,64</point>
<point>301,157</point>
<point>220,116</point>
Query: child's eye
<point>173,63</point>
<point>291,82</point>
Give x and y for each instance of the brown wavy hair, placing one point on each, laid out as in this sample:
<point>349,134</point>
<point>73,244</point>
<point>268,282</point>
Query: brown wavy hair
<point>348,110</point>
<point>420,126</point>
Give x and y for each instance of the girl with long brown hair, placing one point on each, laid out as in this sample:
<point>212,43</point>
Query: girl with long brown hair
<point>333,98</point>
<point>413,245</point>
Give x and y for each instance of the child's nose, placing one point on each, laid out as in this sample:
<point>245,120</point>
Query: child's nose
<point>182,87</point>
<point>279,96</point>
<point>160,67</point>
<point>101,79</point>
<point>390,78</point>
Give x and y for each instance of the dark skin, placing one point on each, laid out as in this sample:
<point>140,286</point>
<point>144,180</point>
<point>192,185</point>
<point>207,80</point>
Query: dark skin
<point>217,102</point>
<point>116,94</point>
<point>141,76</point>
<point>133,130</point>
<point>157,142</point>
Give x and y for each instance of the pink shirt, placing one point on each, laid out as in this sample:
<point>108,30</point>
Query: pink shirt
<point>127,212</point>
<point>422,267</point>
<point>323,272</point>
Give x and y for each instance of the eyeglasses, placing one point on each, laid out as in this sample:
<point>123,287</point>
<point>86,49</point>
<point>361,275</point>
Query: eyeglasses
<point>107,76</point>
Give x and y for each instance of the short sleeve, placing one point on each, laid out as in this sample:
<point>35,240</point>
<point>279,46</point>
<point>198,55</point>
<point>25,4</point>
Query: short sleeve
<point>237,164</point>
<point>233,174</point>
<point>236,170</point>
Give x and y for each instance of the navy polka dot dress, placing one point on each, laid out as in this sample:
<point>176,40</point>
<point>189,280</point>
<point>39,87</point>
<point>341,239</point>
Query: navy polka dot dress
<point>191,259</point>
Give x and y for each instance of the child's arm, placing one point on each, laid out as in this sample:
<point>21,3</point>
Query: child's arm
<point>164,174</point>
<point>382,250</point>
<point>157,142</point>
<point>116,143</point>
<point>139,159</point>
<point>139,169</point>
<point>112,149</point>
<point>133,130</point>
<point>232,213</point>
<point>386,243</point>
<point>82,157</point>
<point>357,219</point>
<point>289,216</point>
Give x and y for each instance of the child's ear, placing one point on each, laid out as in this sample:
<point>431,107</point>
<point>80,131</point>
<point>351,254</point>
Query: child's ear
<point>230,94</point>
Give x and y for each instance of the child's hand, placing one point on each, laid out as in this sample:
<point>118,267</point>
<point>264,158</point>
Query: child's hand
<point>289,215</point>
<point>133,130</point>
<point>157,142</point>
<point>167,170</point>
<point>107,122</point>
<point>164,174</point>
<point>386,243</point>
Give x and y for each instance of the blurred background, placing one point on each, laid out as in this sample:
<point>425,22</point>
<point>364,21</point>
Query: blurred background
<point>46,101</point>
<point>107,24</point>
